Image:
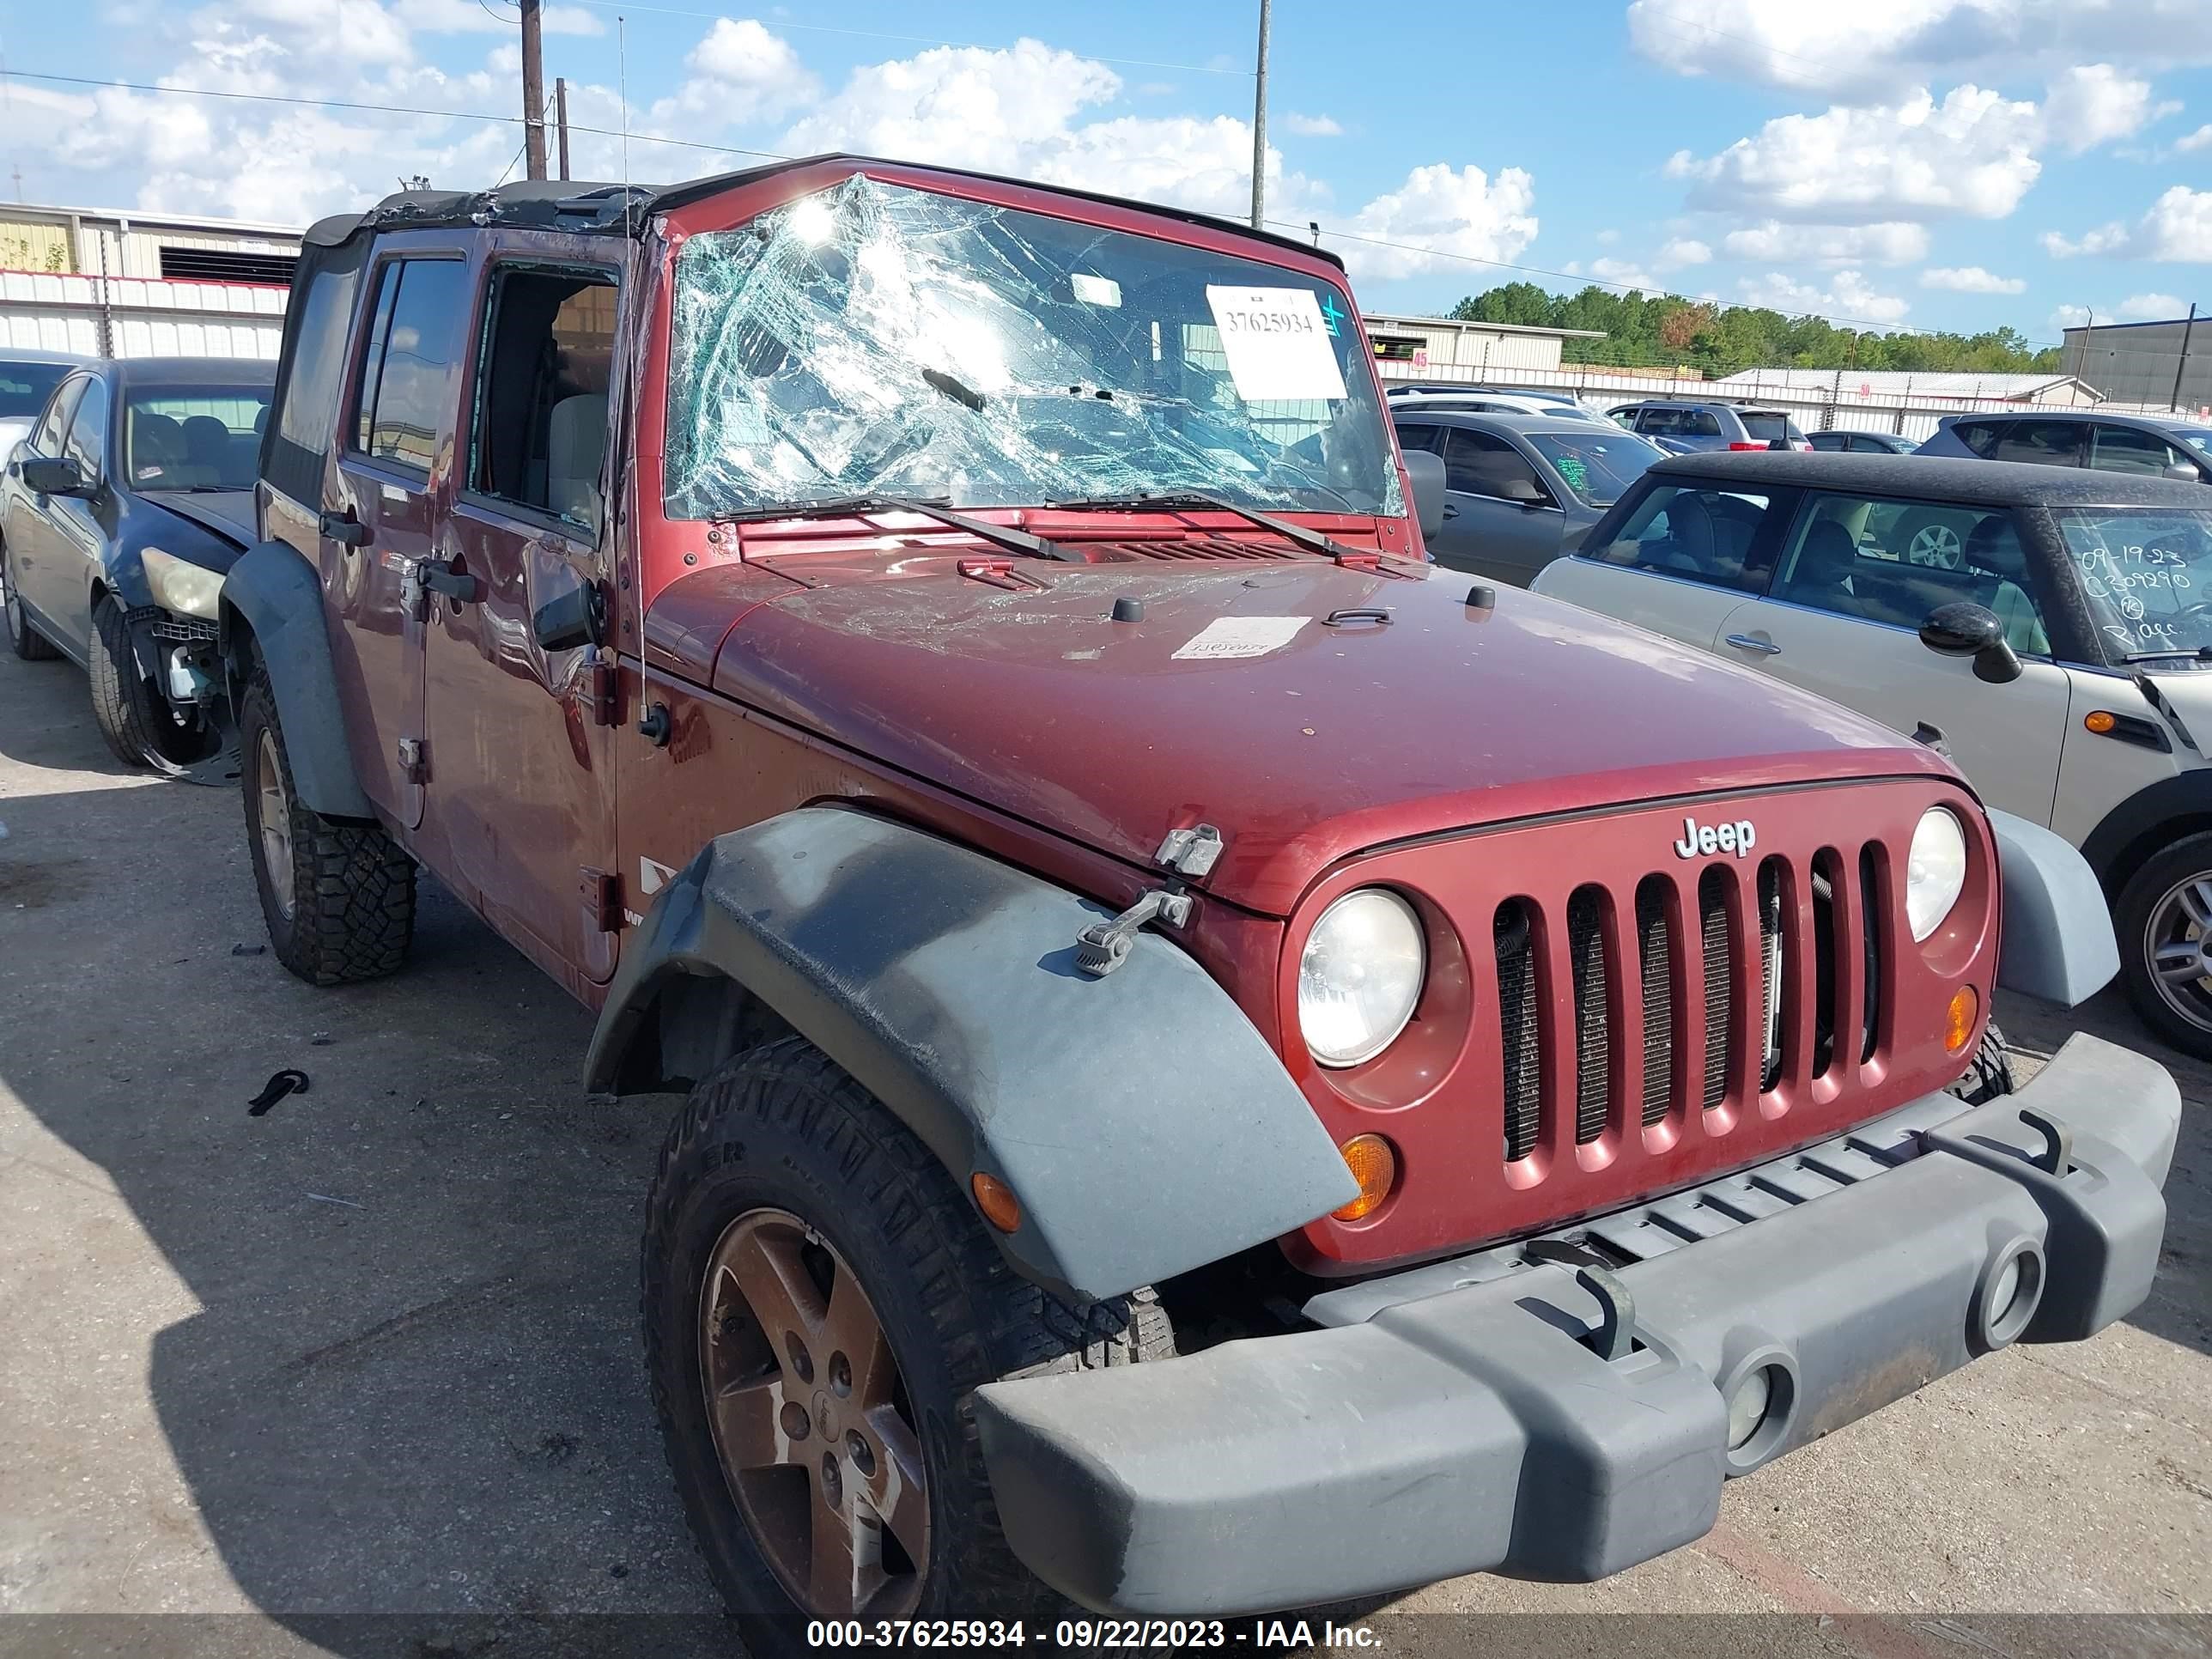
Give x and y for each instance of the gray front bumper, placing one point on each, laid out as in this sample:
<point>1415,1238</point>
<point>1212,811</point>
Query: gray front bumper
<point>1457,1418</point>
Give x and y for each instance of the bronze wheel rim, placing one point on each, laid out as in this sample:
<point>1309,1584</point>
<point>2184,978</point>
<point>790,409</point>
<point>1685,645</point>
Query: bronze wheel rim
<point>812,1421</point>
<point>273,809</point>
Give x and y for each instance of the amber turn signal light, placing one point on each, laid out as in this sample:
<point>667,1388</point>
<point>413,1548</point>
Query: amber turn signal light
<point>996,1200</point>
<point>1374,1164</point>
<point>1958,1018</point>
<point>2101,720</point>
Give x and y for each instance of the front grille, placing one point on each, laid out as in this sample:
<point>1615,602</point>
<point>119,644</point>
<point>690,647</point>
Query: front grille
<point>188,628</point>
<point>1691,956</point>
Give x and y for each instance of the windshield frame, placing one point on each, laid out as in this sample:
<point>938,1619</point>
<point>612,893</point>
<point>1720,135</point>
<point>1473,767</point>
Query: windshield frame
<point>1303,483</point>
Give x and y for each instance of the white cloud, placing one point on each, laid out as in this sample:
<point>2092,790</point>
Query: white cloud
<point>2067,317</point>
<point>2151,307</point>
<point>738,72</point>
<point>2093,104</point>
<point>1971,279</point>
<point>1313,126</point>
<point>1457,215</point>
<point>1849,297</point>
<point>1869,49</point>
<point>1607,238</point>
<point>1970,155</point>
<point>1890,243</point>
<point>2177,229</point>
<point>2200,139</point>
<point>1617,273</point>
<point>1683,250</point>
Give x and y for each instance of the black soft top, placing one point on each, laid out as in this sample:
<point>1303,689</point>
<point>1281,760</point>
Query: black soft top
<point>614,210</point>
<point>1937,478</point>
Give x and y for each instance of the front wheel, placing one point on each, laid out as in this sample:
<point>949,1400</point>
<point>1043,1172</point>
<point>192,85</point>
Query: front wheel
<point>2164,920</point>
<point>819,1301</point>
<point>140,726</point>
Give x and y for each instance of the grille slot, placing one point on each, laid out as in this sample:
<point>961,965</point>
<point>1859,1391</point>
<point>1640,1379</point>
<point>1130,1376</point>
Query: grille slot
<point>1720,982</point>
<point>1772,956</point>
<point>1654,946</point>
<point>1513,936</point>
<point>1827,961</point>
<point>1871,904</point>
<point>1586,954</point>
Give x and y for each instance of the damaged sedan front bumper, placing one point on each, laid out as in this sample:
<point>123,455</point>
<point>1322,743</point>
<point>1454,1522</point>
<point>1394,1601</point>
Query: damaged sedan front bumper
<point>1566,1409</point>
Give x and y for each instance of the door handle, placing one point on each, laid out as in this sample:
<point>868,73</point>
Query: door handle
<point>1757,646</point>
<point>1450,511</point>
<point>439,576</point>
<point>345,530</point>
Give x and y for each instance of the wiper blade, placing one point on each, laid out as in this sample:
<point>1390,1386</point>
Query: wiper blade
<point>999,535</point>
<point>1312,540</point>
<point>2200,653</point>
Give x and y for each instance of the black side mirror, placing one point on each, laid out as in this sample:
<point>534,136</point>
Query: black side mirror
<point>1966,630</point>
<point>52,475</point>
<point>570,619</point>
<point>1426,472</point>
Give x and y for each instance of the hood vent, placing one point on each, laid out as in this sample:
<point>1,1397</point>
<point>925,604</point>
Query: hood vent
<point>1209,547</point>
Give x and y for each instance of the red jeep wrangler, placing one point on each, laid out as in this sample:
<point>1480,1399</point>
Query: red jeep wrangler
<point>1228,1070</point>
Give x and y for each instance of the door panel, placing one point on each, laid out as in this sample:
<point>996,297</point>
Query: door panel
<point>2005,739</point>
<point>1686,611</point>
<point>34,543</point>
<point>69,554</point>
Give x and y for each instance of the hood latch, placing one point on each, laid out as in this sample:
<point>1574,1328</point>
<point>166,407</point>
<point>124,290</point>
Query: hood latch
<point>1104,945</point>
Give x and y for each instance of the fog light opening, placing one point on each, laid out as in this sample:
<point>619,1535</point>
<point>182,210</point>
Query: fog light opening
<point>1749,1406</point>
<point>2012,1290</point>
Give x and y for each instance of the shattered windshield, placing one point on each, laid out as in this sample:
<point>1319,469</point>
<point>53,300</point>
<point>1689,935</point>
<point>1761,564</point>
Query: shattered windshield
<point>875,340</point>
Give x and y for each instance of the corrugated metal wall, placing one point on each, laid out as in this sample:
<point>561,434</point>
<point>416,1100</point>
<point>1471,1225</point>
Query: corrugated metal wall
<point>106,295</point>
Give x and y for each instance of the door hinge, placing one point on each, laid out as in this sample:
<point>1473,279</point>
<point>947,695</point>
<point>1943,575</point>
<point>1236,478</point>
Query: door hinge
<point>601,691</point>
<point>602,899</point>
<point>415,760</point>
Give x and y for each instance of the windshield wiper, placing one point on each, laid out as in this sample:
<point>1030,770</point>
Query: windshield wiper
<point>2200,653</point>
<point>999,535</point>
<point>1312,540</point>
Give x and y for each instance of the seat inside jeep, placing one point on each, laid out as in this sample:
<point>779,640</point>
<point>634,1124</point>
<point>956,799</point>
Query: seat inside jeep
<point>542,428</point>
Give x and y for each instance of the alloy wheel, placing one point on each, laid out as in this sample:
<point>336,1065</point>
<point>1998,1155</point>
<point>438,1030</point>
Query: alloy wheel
<point>2178,944</point>
<point>273,809</point>
<point>1937,545</point>
<point>817,1437</point>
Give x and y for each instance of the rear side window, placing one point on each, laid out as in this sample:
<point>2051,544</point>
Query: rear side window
<point>1421,437</point>
<point>1980,436</point>
<point>1695,533</point>
<point>1659,420</point>
<point>295,440</point>
<point>1703,423</point>
<point>407,380</point>
<point>2046,443</point>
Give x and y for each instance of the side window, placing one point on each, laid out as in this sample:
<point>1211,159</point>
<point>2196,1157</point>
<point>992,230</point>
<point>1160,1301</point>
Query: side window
<point>1421,437</point>
<point>1478,463</point>
<point>539,433</point>
<point>1697,534</point>
<point>1893,562</point>
<point>1980,436</point>
<point>407,372</point>
<point>1659,420</point>
<point>1703,423</point>
<point>2049,443</point>
<point>47,439</point>
<point>87,443</point>
<point>2125,449</point>
<point>311,391</point>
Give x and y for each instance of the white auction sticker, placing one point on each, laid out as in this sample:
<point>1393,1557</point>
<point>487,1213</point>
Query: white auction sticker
<point>1240,636</point>
<point>1277,345</point>
<point>1097,290</point>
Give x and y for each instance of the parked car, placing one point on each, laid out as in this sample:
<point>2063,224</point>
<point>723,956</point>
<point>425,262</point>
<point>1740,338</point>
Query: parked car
<point>118,514</point>
<point>27,379</point>
<point>1683,425</point>
<point>1519,489</point>
<point>2064,654</point>
<point>1862,443</point>
<point>2178,448</point>
<point>1003,752</point>
<point>1484,400</point>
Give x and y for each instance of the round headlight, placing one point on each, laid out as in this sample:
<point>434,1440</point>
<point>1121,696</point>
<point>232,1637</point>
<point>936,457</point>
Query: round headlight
<point>1935,871</point>
<point>1360,976</point>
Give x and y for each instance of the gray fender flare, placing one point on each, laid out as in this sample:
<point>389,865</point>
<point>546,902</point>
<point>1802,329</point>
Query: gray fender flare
<point>1147,1127</point>
<point>2056,941</point>
<point>276,594</point>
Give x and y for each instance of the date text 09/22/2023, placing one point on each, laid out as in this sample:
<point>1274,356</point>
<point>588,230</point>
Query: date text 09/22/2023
<point>1090,1633</point>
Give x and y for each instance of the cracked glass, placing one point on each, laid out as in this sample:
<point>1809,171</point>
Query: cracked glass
<point>871,339</point>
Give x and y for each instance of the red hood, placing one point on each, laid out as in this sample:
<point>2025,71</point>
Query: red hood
<point>1034,702</point>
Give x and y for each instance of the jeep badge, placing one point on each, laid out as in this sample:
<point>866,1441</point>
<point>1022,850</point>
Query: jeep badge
<point>1702,840</point>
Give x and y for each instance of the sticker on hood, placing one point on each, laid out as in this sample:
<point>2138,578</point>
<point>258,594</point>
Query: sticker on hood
<point>1239,636</point>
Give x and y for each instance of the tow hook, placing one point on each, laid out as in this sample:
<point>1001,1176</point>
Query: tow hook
<point>1104,945</point>
<point>1615,1335</point>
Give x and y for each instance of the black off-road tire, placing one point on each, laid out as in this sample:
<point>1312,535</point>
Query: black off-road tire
<point>1990,1075</point>
<point>781,1127</point>
<point>353,914</point>
<point>2154,878</point>
<point>28,643</point>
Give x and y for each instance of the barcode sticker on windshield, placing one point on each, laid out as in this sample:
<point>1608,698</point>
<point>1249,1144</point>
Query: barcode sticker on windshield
<point>1239,636</point>
<point>1277,345</point>
<point>1097,290</point>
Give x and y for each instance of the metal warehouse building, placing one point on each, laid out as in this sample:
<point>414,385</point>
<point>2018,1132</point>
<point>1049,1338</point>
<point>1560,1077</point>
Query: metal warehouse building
<point>120,284</point>
<point>2166,364</point>
<point>1436,349</point>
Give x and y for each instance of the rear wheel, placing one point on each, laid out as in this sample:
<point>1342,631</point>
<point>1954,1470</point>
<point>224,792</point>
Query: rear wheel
<point>2163,920</point>
<point>338,898</point>
<point>140,726</point>
<point>819,1301</point>
<point>28,643</point>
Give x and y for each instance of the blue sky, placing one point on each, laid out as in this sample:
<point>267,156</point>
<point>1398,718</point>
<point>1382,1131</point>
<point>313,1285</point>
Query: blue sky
<point>1929,163</point>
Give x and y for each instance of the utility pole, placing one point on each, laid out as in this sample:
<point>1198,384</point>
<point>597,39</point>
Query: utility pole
<point>560,120</point>
<point>533,88</point>
<point>1260,125</point>
<point>2187,329</point>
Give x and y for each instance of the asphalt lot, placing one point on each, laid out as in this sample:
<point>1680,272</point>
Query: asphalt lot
<point>375,1350</point>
